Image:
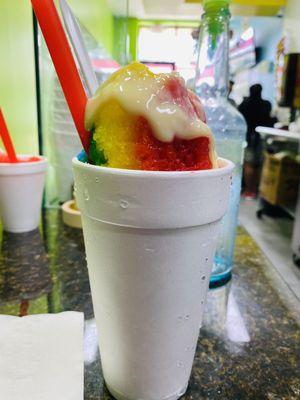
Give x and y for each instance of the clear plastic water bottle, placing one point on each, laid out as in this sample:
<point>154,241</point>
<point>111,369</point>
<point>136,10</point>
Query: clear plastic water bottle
<point>227,124</point>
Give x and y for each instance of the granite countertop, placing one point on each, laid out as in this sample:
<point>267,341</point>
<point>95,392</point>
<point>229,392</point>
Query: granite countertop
<point>249,343</point>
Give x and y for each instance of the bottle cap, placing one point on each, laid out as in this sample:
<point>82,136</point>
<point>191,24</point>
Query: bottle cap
<point>213,8</point>
<point>214,5</point>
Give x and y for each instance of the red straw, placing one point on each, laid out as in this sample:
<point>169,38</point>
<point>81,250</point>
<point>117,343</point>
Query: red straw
<point>8,144</point>
<point>64,63</point>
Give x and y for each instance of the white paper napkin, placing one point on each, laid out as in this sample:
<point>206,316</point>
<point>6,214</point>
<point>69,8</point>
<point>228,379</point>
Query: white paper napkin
<point>41,357</point>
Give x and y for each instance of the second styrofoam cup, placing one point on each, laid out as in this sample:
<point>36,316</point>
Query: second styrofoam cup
<point>21,192</point>
<point>150,239</point>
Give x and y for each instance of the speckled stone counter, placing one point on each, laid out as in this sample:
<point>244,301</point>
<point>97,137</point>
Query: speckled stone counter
<point>249,345</point>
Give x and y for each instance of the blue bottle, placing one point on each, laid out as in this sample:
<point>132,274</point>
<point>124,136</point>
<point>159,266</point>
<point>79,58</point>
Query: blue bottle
<point>226,122</point>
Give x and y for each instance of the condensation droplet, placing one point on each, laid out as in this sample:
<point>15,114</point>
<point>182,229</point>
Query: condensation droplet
<point>203,277</point>
<point>97,180</point>
<point>206,259</point>
<point>202,301</point>
<point>179,364</point>
<point>180,319</point>
<point>86,195</point>
<point>124,204</point>
<point>186,317</point>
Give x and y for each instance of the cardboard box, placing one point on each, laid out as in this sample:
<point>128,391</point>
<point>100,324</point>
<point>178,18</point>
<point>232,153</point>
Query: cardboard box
<point>280,179</point>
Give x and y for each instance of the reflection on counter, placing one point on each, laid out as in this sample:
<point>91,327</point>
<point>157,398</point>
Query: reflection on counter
<point>224,317</point>
<point>90,343</point>
<point>24,272</point>
<point>68,265</point>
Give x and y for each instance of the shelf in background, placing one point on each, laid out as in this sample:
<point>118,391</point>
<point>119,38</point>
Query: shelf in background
<point>264,130</point>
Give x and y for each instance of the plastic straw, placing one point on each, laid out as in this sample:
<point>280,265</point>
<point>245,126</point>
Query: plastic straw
<point>64,64</point>
<point>78,45</point>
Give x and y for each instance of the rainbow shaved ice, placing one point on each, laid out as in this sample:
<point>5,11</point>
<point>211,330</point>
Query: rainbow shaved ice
<point>146,121</point>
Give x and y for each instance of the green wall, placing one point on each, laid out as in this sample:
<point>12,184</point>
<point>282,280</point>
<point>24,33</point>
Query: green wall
<point>17,77</point>
<point>97,18</point>
<point>125,51</point>
<point>133,33</point>
<point>120,32</point>
<point>17,80</point>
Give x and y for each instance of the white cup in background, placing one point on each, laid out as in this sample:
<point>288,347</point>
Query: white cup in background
<point>21,193</point>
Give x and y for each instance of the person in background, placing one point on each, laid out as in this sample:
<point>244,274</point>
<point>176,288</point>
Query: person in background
<point>230,87</point>
<point>257,112</point>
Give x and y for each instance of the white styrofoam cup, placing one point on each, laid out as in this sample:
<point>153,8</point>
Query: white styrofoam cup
<point>150,239</point>
<point>21,192</point>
